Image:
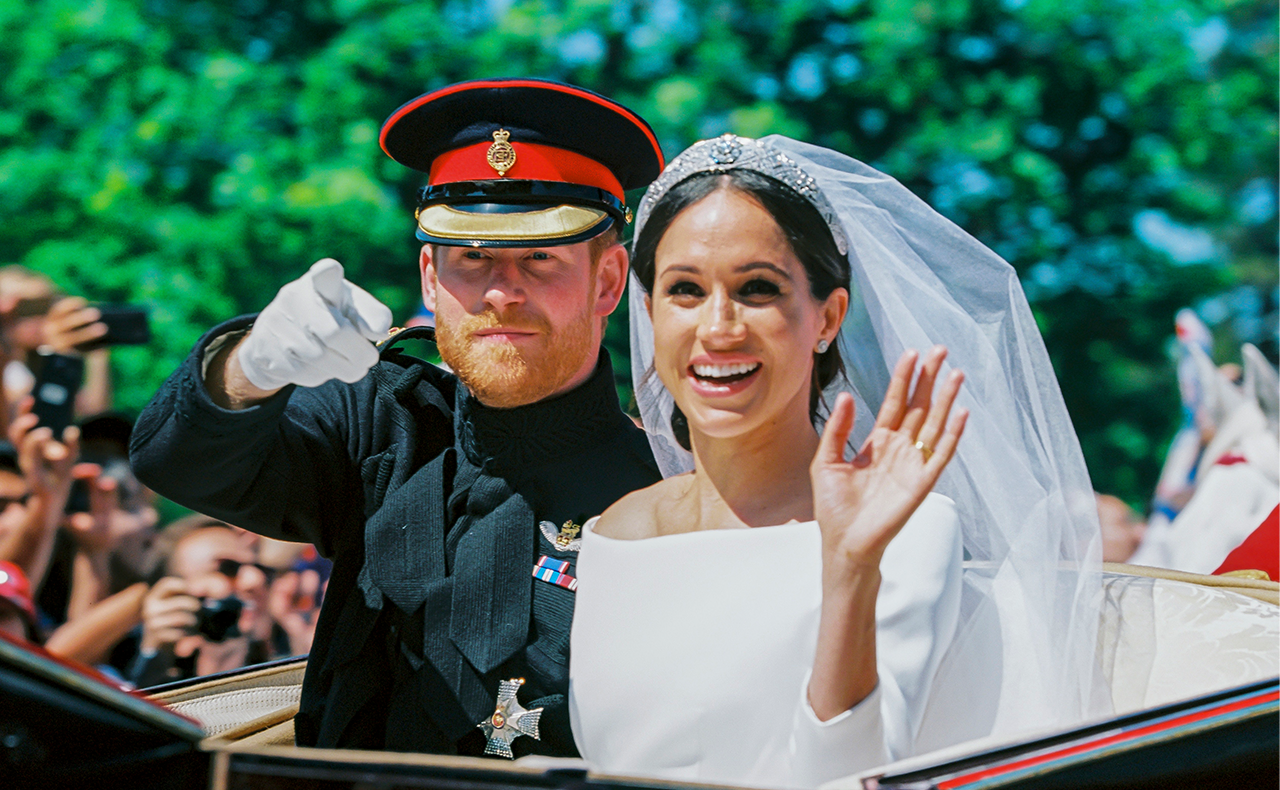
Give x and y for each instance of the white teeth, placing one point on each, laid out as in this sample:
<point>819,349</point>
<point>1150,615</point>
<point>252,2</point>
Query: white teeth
<point>724,371</point>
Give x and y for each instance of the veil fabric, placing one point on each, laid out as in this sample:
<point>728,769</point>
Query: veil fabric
<point>1024,657</point>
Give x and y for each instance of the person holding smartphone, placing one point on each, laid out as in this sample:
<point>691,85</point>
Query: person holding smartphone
<point>31,517</point>
<point>39,324</point>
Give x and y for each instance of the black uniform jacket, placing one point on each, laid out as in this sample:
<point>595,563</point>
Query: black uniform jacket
<point>429,505</point>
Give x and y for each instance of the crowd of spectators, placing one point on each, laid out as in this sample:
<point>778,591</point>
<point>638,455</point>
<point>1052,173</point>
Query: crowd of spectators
<point>88,568</point>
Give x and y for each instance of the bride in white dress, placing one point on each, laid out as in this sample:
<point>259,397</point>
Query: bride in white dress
<point>755,621</point>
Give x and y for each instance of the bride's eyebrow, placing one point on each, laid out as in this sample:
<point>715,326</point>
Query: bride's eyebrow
<point>778,270</point>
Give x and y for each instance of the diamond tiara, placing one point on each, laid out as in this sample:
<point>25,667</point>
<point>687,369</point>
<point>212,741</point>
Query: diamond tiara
<point>731,152</point>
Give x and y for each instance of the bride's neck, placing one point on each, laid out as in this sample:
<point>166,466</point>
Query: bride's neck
<point>758,478</point>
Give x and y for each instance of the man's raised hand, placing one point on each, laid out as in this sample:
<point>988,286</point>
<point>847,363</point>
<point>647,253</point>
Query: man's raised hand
<point>319,327</point>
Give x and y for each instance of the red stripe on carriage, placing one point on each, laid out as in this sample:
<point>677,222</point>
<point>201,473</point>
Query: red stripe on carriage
<point>1093,745</point>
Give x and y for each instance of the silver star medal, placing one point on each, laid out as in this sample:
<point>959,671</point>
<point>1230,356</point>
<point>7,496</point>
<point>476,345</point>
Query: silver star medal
<point>509,721</point>
<point>566,538</point>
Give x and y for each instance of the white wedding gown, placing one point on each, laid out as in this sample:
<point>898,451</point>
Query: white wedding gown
<point>691,653</point>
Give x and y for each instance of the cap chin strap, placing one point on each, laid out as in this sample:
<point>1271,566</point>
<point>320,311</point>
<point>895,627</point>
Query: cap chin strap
<point>513,192</point>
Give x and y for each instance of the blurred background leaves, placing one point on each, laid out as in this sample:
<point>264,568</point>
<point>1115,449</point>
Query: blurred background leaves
<point>194,156</point>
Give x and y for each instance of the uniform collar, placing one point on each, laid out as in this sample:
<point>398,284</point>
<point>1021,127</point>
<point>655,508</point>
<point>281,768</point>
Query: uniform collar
<point>510,440</point>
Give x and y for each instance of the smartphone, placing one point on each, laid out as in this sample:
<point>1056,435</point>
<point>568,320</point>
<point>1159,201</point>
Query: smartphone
<point>57,382</point>
<point>127,325</point>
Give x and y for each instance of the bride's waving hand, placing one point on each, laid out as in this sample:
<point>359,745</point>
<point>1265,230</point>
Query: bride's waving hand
<point>861,504</point>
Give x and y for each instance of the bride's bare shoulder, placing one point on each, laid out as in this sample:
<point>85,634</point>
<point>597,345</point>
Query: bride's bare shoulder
<point>636,515</point>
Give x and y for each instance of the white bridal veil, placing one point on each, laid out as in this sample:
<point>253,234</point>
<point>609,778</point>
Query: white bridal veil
<point>1024,655</point>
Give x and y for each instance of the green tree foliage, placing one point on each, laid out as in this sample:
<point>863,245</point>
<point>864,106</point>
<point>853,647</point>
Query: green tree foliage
<point>195,155</point>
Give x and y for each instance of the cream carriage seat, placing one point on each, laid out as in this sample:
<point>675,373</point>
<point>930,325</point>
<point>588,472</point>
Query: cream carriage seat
<point>255,707</point>
<point>1168,636</point>
<point>1164,636</point>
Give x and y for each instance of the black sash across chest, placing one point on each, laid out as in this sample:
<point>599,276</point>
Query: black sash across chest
<point>458,539</point>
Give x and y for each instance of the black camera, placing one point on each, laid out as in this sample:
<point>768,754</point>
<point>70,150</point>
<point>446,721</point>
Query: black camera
<point>219,618</point>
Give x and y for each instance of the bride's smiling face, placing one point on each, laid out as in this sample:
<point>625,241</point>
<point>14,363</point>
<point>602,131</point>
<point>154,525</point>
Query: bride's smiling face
<point>735,324</point>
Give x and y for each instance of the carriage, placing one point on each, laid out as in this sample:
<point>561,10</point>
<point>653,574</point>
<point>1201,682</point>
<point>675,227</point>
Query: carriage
<point>1193,662</point>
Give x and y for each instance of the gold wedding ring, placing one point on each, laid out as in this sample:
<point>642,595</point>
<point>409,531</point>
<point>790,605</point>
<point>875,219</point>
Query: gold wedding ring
<point>925,449</point>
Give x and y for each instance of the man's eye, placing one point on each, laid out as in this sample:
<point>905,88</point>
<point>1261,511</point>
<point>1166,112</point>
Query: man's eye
<point>473,255</point>
<point>758,288</point>
<point>539,256</point>
<point>683,288</point>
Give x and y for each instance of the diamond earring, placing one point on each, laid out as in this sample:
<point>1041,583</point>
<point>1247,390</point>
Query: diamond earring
<point>823,345</point>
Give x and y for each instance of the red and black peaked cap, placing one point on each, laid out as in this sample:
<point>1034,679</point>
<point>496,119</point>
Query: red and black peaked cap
<point>521,162</point>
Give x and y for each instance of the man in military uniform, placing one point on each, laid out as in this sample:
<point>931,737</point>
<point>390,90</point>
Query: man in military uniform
<point>450,511</point>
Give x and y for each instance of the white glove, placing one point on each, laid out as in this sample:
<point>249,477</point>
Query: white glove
<point>318,327</point>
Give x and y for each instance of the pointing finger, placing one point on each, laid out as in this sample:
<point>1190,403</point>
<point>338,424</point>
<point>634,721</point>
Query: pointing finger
<point>371,317</point>
<point>327,280</point>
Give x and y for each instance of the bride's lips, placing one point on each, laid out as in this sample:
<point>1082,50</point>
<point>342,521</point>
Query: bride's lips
<point>721,376</point>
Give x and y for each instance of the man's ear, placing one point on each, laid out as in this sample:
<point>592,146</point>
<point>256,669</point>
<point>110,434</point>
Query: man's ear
<point>427,268</point>
<point>611,279</point>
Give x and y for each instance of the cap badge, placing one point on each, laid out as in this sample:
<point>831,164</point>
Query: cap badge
<point>509,721</point>
<point>566,538</point>
<point>501,156</point>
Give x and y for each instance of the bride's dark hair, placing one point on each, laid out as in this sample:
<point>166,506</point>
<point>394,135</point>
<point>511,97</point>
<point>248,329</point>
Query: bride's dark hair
<point>806,232</point>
